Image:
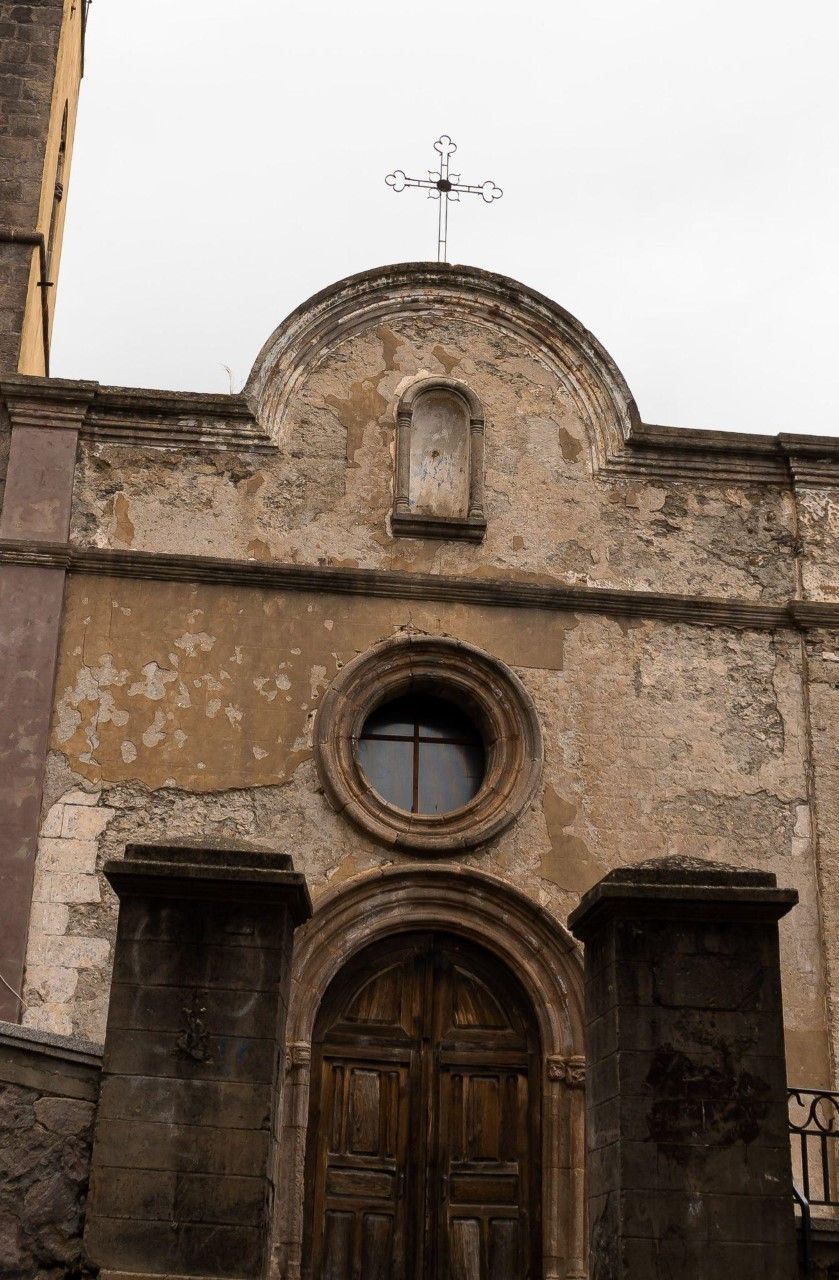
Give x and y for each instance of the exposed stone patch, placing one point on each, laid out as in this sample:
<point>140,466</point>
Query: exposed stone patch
<point>66,876</point>
<point>44,1162</point>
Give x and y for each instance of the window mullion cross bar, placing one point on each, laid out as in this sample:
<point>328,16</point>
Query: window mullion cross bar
<point>411,737</point>
<point>415,793</point>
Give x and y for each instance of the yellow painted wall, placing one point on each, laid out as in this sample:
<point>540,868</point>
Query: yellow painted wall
<point>65,90</point>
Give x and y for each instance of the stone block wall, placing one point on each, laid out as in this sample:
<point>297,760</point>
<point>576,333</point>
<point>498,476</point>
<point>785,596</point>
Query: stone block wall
<point>688,1151</point>
<point>61,953</point>
<point>180,1180</point>
<point>48,1091</point>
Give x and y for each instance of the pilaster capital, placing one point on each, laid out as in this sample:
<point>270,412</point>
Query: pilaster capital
<point>58,403</point>
<point>570,1071</point>
<point>298,1056</point>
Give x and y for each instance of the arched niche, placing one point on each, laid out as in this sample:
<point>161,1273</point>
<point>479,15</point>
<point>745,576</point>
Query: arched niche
<point>538,951</point>
<point>362,302</point>
<point>439,482</point>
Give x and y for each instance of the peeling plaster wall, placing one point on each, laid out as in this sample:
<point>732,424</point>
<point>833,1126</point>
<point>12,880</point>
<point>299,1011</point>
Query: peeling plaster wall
<point>818,519</point>
<point>823,662</point>
<point>185,711</point>
<point>326,496</point>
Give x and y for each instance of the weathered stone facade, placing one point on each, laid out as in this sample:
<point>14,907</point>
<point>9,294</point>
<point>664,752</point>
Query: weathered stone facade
<point>647,596</point>
<point>687,1127</point>
<point>667,601</point>
<point>435,479</point>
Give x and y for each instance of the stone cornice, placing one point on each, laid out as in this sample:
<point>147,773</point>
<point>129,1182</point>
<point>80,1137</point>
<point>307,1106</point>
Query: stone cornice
<point>56,403</point>
<point>485,592</point>
<point>139,417</point>
<point>679,453</point>
<point>60,1066</point>
<point>134,415</point>
<point>169,419</point>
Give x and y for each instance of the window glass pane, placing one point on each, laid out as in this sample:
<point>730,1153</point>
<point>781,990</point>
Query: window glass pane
<point>440,719</point>
<point>396,717</point>
<point>389,768</point>
<point>449,761</point>
<point>449,775</point>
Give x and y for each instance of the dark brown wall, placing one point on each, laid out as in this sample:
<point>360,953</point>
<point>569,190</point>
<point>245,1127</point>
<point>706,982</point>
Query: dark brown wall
<point>195,1034</point>
<point>688,1157</point>
<point>36,506</point>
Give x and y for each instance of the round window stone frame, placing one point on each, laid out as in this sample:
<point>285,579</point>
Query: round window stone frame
<point>484,688</point>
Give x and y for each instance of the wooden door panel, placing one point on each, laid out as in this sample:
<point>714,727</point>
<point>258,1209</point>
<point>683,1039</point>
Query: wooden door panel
<point>472,1010</point>
<point>337,1245</point>
<point>466,1249</point>
<point>482,1122</point>
<point>366,1134</point>
<point>489,1189</point>
<point>341,1246</point>
<point>377,1260</point>
<point>505,1248</point>
<point>423,1132</point>
<point>361,1170</point>
<point>485,1249</point>
<point>484,1144</point>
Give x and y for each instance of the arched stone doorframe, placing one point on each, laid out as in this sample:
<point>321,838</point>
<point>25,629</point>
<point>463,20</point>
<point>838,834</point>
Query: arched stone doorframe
<point>536,948</point>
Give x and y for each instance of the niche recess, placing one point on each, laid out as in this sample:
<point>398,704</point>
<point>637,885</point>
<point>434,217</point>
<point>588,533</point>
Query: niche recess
<point>439,490</point>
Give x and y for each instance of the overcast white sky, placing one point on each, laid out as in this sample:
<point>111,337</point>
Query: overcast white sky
<point>670,172</point>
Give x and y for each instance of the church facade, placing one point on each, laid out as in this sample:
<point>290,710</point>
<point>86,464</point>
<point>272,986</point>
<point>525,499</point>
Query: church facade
<point>430,609</point>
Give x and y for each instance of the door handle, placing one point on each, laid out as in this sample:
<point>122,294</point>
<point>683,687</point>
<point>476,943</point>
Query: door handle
<point>400,1184</point>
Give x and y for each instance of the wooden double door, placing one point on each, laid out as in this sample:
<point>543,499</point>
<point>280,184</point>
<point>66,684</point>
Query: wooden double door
<point>424,1122</point>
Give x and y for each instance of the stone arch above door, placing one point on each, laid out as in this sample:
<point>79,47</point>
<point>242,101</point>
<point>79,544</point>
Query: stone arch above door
<point>539,952</point>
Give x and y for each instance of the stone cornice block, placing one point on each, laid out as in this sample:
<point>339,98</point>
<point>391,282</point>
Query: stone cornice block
<point>224,871</point>
<point>58,403</point>
<point>468,529</point>
<point>59,1065</point>
<point>175,419</point>
<point>665,888</point>
<point>135,416</point>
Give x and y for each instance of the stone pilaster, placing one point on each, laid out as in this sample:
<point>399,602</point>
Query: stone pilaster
<point>688,1161</point>
<point>194,1053</point>
<point>45,421</point>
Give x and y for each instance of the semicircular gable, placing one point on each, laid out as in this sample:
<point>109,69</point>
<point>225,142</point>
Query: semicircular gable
<point>360,302</point>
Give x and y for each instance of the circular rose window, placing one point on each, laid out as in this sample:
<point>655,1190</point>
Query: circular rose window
<point>428,744</point>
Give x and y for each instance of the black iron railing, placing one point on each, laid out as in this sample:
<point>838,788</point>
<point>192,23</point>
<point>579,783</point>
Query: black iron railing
<point>814,1130</point>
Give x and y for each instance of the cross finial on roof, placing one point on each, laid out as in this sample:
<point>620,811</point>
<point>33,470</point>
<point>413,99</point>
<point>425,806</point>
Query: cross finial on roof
<point>444,186</point>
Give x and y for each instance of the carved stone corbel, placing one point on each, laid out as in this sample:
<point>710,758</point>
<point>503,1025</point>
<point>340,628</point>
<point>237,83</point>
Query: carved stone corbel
<point>569,1071</point>
<point>298,1057</point>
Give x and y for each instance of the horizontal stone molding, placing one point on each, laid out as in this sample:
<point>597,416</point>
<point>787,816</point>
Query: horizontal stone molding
<point>387,584</point>
<point>411,525</point>
<point>622,445</point>
<point>680,453</point>
<point>59,1065</point>
<point>139,417</point>
<point>208,870</point>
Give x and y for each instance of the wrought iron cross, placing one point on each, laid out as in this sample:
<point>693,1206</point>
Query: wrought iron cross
<point>444,186</point>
